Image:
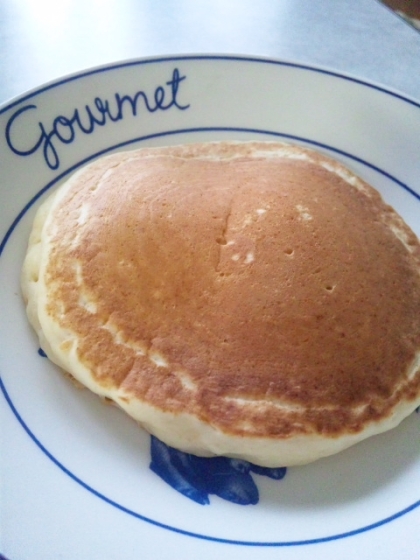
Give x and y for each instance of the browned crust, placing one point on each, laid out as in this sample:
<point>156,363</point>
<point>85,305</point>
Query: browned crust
<point>311,329</point>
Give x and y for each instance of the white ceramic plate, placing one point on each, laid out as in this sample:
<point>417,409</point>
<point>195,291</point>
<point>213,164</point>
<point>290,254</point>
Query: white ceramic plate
<point>75,477</point>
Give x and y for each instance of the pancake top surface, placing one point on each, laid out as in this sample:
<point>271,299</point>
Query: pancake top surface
<point>268,296</point>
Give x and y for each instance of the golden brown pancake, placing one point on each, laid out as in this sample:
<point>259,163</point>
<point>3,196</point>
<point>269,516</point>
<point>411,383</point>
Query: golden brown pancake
<point>255,299</point>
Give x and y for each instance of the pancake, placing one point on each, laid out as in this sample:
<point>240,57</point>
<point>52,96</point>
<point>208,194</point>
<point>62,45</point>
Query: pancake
<point>249,299</point>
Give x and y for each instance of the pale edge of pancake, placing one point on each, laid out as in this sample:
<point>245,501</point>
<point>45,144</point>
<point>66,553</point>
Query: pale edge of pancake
<point>185,431</point>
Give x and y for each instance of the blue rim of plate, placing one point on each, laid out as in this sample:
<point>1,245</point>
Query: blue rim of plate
<point>276,134</point>
<point>189,57</point>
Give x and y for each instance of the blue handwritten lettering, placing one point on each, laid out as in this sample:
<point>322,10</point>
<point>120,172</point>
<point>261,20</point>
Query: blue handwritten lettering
<point>64,129</point>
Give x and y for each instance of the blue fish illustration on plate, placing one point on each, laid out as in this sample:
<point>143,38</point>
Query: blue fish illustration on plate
<point>197,477</point>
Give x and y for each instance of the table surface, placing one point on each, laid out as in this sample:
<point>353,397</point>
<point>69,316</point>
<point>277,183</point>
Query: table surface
<point>44,40</point>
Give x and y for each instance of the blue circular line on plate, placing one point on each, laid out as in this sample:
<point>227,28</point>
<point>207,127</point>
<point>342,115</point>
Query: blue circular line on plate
<point>226,58</point>
<point>102,496</point>
<point>188,533</point>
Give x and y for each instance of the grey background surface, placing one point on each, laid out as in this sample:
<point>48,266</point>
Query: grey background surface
<point>44,40</point>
